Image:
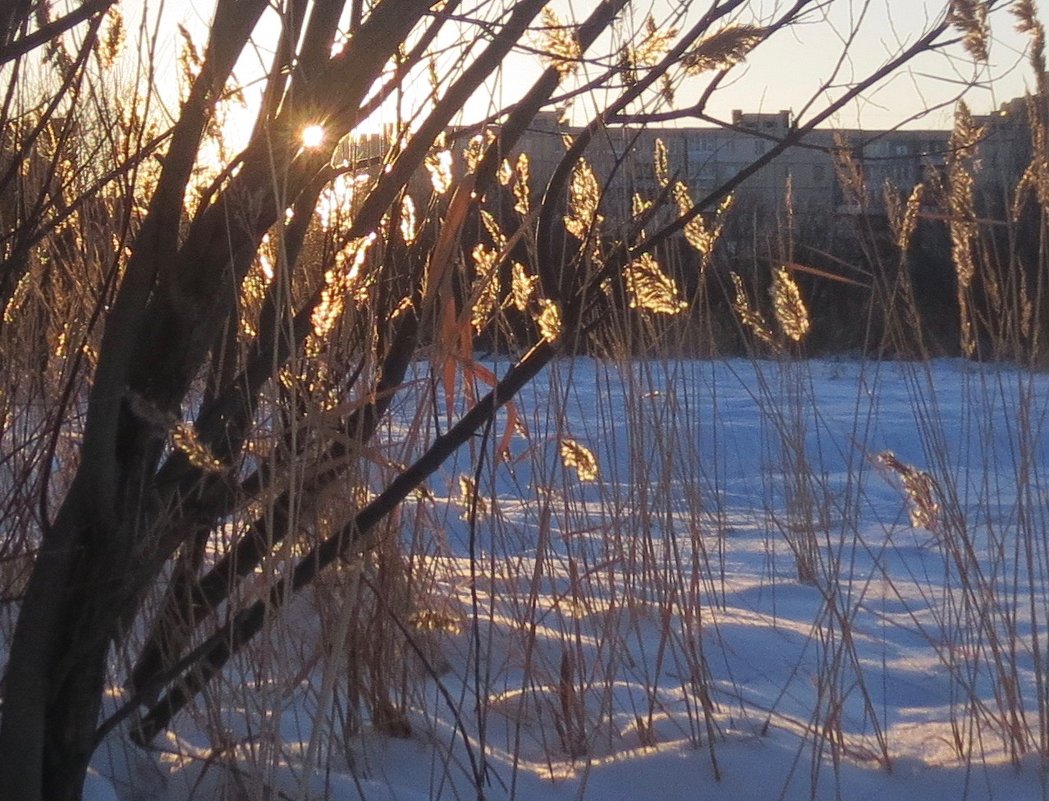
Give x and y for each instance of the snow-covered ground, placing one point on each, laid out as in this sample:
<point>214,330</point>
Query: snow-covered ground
<point>644,634</point>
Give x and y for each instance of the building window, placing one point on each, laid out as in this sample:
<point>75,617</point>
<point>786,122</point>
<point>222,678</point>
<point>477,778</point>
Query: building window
<point>819,173</point>
<point>702,145</point>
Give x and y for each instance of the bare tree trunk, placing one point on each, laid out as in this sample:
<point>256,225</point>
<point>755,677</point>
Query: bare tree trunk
<point>173,305</point>
<point>53,693</point>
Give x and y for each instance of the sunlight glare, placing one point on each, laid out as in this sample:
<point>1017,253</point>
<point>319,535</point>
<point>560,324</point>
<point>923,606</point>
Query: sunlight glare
<point>312,136</point>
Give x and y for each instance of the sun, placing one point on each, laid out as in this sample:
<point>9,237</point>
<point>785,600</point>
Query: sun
<point>312,136</point>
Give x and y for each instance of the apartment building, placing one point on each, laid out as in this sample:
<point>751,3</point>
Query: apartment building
<point>840,172</point>
<point>705,158</point>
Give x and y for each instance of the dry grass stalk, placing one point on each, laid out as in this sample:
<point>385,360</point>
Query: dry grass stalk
<point>340,279</point>
<point>682,197</point>
<point>920,489</point>
<point>1026,307</point>
<point>910,216</point>
<point>583,199</point>
<point>491,225</point>
<point>970,18</point>
<point>189,61</point>
<point>575,456</point>
<point>18,296</point>
<point>469,499</point>
<point>724,49</point>
<point>963,142</point>
<point>486,285</point>
<point>1026,13</point>
<point>848,170</point>
<point>1039,168</point>
<point>253,289</point>
<point>475,148</point>
<point>506,173</point>
<point>560,45</point>
<point>522,190</point>
<point>439,165</point>
<point>788,305</point>
<point>654,45</point>
<point>409,226</point>
<point>571,724</point>
<point>111,42</point>
<point>661,163</point>
<point>522,286</point>
<point>638,207</point>
<point>961,165</point>
<point>184,438</point>
<point>903,217</point>
<point>893,207</point>
<point>750,316</point>
<point>549,320</point>
<point>699,235</point>
<point>650,289</point>
<point>472,153</point>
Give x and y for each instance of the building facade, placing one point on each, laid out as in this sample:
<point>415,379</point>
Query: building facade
<point>828,172</point>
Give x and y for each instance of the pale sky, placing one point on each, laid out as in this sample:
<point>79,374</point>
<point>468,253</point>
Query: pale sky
<point>784,72</point>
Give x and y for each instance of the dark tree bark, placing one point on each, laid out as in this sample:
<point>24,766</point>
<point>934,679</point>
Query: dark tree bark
<point>171,307</point>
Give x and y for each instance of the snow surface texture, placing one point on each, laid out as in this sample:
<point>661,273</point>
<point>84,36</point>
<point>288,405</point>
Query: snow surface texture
<point>737,607</point>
